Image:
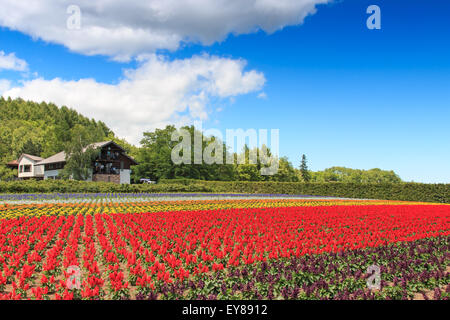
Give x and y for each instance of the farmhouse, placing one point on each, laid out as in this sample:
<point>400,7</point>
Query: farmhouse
<point>112,165</point>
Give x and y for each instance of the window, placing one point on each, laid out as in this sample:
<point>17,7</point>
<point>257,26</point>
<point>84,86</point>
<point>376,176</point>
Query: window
<point>27,168</point>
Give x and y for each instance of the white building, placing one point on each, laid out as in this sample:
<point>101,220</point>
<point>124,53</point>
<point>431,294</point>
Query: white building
<point>29,168</point>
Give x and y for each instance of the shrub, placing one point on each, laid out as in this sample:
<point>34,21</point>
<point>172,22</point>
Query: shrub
<point>396,191</point>
<point>388,191</point>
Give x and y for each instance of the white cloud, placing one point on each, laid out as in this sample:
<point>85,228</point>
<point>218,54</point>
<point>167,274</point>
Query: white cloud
<point>157,93</point>
<point>262,95</point>
<point>11,62</point>
<point>126,28</point>
<point>4,85</point>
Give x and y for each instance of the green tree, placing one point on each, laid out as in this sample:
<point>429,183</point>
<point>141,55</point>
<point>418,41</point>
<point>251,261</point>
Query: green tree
<point>79,156</point>
<point>343,174</point>
<point>32,147</point>
<point>7,174</point>
<point>155,161</point>
<point>286,172</point>
<point>41,129</point>
<point>304,172</point>
<point>248,172</point>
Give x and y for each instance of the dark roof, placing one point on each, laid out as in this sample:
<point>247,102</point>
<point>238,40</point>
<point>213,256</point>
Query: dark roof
<point>13,163</point>
<point>105,143</point>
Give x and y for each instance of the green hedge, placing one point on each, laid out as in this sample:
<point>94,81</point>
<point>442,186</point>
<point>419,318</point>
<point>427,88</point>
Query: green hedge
<point>388,191</point>
<point>398,191</point>
<point>63,186</point>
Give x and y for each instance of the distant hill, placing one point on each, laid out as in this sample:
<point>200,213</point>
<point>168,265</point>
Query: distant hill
<point>41,129</point>
<point>342,174</point>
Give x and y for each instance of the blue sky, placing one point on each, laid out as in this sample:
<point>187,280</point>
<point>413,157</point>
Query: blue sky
<point>340,93</point>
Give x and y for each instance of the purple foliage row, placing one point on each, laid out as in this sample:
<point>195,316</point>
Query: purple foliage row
<point>407,269</point>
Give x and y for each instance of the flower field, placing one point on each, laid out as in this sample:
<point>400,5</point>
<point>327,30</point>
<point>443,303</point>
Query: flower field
<point>224,249</point>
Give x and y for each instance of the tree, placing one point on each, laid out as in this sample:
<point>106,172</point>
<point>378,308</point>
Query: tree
<point>155,158</point>
<point>79,156</point>
<point>304,172</point>
<point>248,172</point>
<point>7,174</point>
<point>41,129</point>
<point>286,172</point>
<point>31,147</point>
<point>343,174</point>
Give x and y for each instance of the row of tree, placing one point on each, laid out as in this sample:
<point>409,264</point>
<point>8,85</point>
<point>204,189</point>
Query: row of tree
<point>154,157</point>
<point>155,161</point>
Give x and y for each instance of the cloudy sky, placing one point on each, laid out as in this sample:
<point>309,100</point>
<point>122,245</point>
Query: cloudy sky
<point>337,91</point>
